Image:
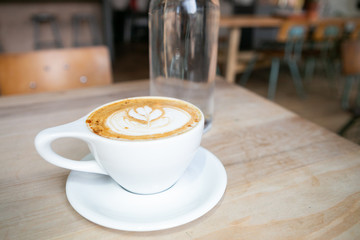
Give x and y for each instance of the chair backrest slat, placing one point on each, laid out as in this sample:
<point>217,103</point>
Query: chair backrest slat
<point>328,30</point>
<point>350,52</point>
<point>54,70</point>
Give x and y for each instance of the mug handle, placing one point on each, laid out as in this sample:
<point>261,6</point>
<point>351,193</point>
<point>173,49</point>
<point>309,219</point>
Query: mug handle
<point>76,129</point>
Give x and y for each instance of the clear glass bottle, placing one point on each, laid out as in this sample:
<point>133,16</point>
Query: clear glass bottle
<point>183,37</point>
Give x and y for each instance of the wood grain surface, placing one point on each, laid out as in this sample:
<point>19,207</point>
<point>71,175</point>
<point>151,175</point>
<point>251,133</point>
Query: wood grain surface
<point>54,70</point>
<point>250,21</point>
<point>287,177</point>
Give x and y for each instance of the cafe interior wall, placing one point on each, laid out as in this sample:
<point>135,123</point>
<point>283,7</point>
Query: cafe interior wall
<point>339,8</point>
<point>16,29</point>
<point>327,8</point>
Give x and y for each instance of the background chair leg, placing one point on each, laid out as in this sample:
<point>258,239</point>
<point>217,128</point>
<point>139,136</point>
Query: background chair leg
<point>274,73</point>
<point>218,71</point>
<point>296,78</point>
<point>309,69</point>
<point>346,127</point>
<point>328,68</point>
<point>357,103</point>
<point>246,75</point>
<point>346,93</point>
<point>331,73</point>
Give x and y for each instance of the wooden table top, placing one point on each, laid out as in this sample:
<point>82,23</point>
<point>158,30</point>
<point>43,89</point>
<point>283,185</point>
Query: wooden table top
<point>287,177</point>
<point>250,21</point>
<point>240,21</point>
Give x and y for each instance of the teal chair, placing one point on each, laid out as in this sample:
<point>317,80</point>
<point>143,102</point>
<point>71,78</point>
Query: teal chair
<point>323,47</point>
<point>287,49</point>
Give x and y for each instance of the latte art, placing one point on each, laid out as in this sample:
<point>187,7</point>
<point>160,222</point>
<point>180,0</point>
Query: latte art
<point>146,121</point>
<point>143,118</point>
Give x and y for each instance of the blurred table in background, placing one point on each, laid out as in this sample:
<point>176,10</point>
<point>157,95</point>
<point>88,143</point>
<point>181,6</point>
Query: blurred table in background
<point>235,61</point>
<point>235,24</point>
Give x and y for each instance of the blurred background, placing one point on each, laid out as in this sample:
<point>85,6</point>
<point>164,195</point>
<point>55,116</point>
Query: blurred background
<point>122,26</point>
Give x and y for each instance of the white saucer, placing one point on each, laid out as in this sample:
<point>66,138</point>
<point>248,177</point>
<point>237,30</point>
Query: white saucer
<point>99,199</point>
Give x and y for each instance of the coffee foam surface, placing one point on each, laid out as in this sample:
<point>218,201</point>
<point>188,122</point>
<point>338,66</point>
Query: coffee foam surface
<point>143,118</point>
<point>146,121</point>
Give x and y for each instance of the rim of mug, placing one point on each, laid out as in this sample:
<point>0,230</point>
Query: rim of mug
<point>199,125</point>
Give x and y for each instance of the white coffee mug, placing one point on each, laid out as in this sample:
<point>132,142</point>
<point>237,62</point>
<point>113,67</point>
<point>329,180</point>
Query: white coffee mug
<point>139,166</point>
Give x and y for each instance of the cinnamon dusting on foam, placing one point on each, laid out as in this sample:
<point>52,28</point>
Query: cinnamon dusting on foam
<point>140,118</point>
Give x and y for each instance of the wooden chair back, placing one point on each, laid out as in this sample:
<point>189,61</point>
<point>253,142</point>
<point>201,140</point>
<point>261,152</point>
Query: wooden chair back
<point>328,31</point>
<point>355,34</point>
<point>293,33</point>
<point>350,52</point>
<point>292,29</point>
<point>54,70</point>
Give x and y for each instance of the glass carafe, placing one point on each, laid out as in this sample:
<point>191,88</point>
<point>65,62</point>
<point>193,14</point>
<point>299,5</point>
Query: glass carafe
<point>183,37</point>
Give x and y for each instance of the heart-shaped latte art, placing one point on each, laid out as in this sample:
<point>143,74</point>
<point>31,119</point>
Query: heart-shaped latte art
<point>147,120</point>
<point>145,115</point>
